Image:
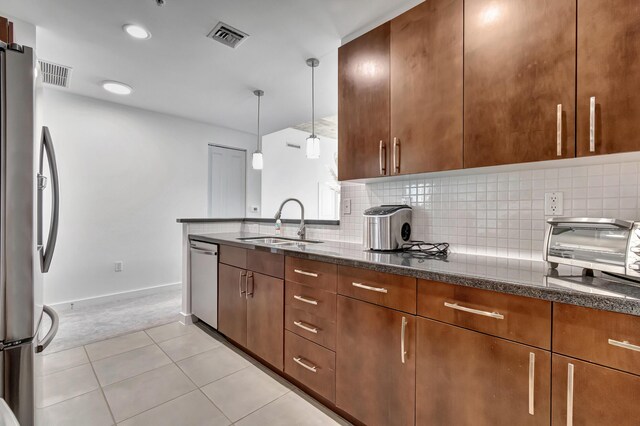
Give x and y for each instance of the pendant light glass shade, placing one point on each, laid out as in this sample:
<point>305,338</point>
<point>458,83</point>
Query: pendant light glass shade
<point>257,162</point>
<point>313,147</point>
<point>313,142</point>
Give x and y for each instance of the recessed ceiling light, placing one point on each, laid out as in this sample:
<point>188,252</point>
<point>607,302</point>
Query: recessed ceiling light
<point>136,31</point>
<point>117,87</point>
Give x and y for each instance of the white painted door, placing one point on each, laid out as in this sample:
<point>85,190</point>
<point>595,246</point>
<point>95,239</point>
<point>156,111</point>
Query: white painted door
<point>227,182</point>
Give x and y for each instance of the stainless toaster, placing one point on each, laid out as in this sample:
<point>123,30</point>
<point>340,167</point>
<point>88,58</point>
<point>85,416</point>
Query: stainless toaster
<point>609,245</point>
<point>387,227</point>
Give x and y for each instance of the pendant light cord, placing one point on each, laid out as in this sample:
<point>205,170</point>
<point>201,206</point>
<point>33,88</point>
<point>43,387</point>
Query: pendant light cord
<point>313,102</point>
<point>259,141</point>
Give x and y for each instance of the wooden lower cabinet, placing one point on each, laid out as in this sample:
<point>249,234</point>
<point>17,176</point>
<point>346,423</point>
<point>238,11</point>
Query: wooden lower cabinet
<point>470,378</point>
<point>265,318</point>
<point>232,303</point>
<point>374,383</point>
<point>597,395</point>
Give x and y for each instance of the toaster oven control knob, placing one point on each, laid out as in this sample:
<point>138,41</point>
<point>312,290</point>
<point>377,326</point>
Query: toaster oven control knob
<point>405,232</point>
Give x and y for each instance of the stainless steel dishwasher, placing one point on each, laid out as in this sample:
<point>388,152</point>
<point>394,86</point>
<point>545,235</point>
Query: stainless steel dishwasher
<point>203,270</point>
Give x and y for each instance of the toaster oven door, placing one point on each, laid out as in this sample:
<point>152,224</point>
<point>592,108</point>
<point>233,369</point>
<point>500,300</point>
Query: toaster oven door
<point>601,246</point>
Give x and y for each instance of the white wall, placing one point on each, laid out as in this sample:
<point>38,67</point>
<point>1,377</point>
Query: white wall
<point>126,174</point>
<point>289,173</point>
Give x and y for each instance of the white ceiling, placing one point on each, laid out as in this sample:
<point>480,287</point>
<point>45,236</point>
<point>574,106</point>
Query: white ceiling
<point>179,71</point>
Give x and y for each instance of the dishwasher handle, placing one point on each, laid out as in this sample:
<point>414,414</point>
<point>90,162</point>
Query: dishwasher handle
<point>204,251</point>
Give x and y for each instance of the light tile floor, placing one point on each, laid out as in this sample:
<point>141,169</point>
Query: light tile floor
<point>168,375</point>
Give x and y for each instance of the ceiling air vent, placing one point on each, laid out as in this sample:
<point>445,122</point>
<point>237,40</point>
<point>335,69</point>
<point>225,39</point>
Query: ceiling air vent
<point>227,35</point>
<point>55,74</point>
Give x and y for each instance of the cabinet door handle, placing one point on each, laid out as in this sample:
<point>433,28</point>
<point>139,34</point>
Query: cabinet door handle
<point>455,306</point>
<point>396,156</point>
<point>532,376</point>
<point>309,274</point>
<point>592,124</point>
<point>242,274</point>
<point>306,327</point>
<point>305,300</point>
<point>368,287</point>
<point>403,329</point>
<point>299,360</point>
<point>559,130</point>
<point>570,371</point>
<point>249,277</point>
<point>624,344</point>
<point>383,161</point>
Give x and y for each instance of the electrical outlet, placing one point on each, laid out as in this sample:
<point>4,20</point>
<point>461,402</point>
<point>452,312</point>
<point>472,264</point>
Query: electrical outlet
<point>553,203</point>
<point>118,266</point>
<point>346,206</point>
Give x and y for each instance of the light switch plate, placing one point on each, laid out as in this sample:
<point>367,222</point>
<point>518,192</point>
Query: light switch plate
<point>255,209</point>
<point>346,206</point>
<point>553,202</point>
<point>118,266</point>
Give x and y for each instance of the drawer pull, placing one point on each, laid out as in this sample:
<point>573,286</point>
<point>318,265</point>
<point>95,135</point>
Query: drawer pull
<point>299,360</point>
<point>368,287</point>
<point>305,300</point>
<point>625,345</point>
<point>570,369</point>
<point>559,130</point>
<point>304,326</point>
<point>243,274</point>
<point>309,274</point>
<point>455,306</point>
<point>592,124</point>
<point>532,373</point>
<point>403,329</point>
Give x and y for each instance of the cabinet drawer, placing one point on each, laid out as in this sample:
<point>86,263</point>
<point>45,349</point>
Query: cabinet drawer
<point>517,318</point>
<point>394,291</point>
<point>234,256</point>
<point>265,262</point>
<point>317,302</point>
<point>310,364</point>
<point>606,338</point>
<point>317,329</point>
<point>309,272</point>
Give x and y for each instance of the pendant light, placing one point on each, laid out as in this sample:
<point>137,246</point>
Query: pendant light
<point>256,158</point>
<point>313,142</point>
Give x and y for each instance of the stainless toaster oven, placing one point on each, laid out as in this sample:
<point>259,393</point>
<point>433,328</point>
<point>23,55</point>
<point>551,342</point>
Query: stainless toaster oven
<point>609,245</point>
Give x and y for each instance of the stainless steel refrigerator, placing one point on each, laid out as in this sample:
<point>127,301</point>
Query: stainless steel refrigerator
<point>28,172</point>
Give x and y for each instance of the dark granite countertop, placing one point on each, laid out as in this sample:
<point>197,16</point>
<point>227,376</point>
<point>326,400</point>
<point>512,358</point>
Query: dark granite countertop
<point>513,276</point>
<point>255,220</point>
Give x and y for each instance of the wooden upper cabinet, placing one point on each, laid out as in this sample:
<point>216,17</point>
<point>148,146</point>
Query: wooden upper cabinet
<point>426,88</point>
<point>519,65</point>
<point>609,71</point>
<point>363,106</point>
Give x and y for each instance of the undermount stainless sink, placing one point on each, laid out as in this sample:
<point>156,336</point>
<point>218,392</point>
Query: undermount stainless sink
<point>279,241</point>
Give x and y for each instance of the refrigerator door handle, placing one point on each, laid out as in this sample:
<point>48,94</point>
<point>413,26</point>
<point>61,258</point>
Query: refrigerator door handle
<point>46,252</point>
<point>55,321</point>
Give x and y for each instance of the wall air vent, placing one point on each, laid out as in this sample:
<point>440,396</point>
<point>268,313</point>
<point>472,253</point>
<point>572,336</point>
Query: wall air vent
<point>55,74</point>
<point>227,35</point>
<point>292,145</point>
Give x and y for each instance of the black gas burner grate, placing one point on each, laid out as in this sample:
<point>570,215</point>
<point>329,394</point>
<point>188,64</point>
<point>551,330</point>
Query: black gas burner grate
<point>424,250</point>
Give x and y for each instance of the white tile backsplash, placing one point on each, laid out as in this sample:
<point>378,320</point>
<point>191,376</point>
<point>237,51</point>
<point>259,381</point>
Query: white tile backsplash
<point>496,212</point>
<point>500,213</point>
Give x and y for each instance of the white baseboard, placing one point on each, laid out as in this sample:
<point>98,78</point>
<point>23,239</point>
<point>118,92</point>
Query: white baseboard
<point>187,319</point>
<point>90,301</point>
